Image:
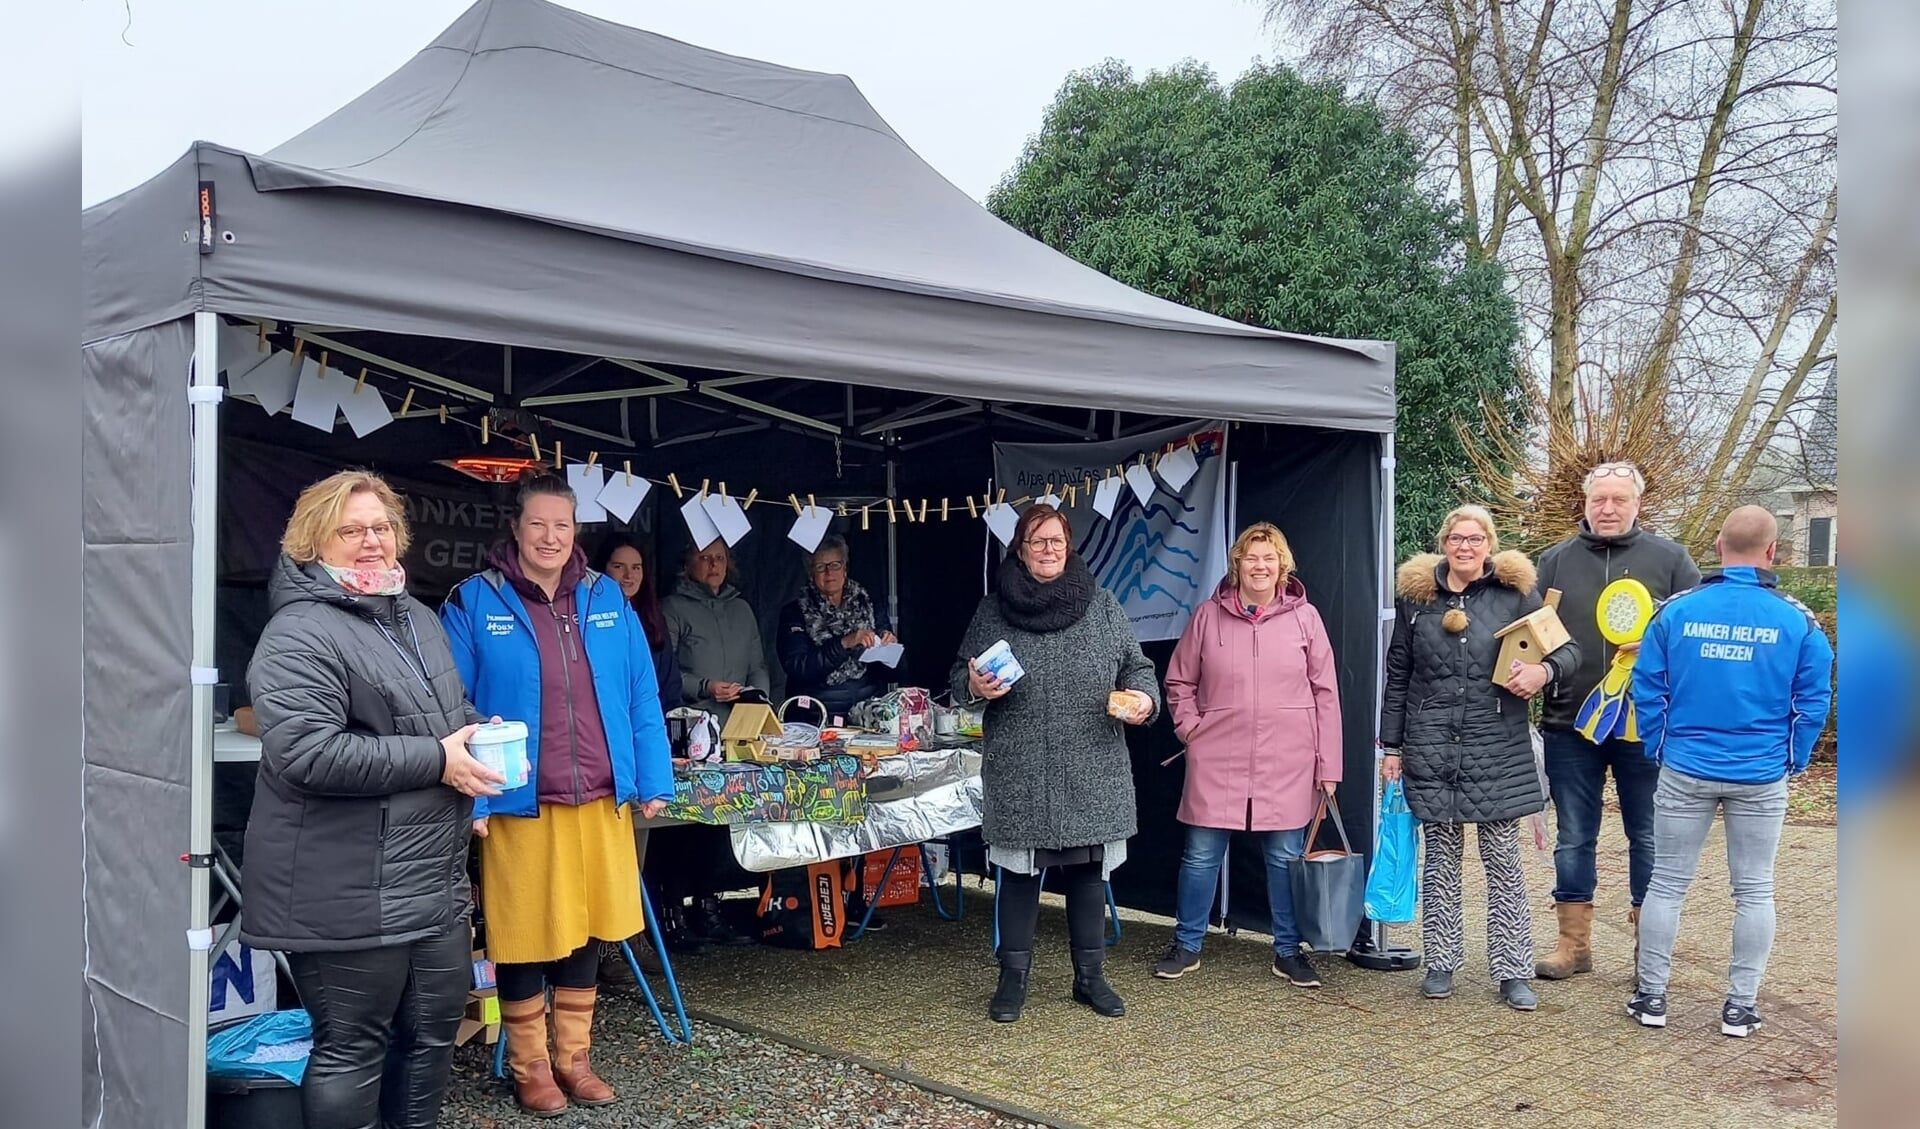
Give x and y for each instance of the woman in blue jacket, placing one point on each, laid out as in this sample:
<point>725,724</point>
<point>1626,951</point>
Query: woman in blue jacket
<point>541,639</point>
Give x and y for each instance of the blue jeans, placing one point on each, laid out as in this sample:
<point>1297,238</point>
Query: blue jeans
<point>1576,776</point>
<point>1200,878</point>
<point>1684,815</point>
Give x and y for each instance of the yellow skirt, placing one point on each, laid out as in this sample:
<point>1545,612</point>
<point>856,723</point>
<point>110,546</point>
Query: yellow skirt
<point>549,885</point>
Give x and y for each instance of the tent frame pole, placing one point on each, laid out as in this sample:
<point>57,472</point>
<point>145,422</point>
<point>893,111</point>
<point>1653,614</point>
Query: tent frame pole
<point>1383,632</point>
<point>204,397</point>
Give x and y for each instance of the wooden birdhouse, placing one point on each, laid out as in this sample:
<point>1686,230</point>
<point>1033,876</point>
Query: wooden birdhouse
<point>747,732</point>
<point>1529,639</point>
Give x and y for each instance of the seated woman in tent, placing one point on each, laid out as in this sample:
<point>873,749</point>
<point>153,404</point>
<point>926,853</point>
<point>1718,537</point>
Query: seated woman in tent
<point>823,632</point>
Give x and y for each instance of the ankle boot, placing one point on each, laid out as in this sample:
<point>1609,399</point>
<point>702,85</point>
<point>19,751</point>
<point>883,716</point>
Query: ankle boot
<point>572,1042</point>
<point>1010,995</point>
<point>525,1023</point>
<point>1090,985</point>
<point>1573,952</point>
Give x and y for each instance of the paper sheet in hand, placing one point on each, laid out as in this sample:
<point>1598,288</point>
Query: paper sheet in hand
<point>1141,479</point>
<point>728,517</point>
<point>622,495</point>
<point>887,654</point>
<point>366,409</point>
<point>587,482</point>
<point>699,523</point>
<point>316,399</point>
<point>1002,519</point>
<point>1107,495</point>
<point>1178,468</point>
<point>273,383</point>
<point>810,528</point>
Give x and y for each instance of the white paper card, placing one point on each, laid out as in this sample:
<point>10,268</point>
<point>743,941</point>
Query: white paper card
<point>366,410</point>
<point>1002,519</point>
<point>587,482</point>
<point>1141,479</point>
<point>1107,495</point>
<point>887,654</point>
<point>240,354</point>
<point>728,517</point>
<point>273,383</point>
<point>316,400</point>
<point>1050,499</point>
<point>699,522</point>
<point>622,495</point>
<point>1178,468</point>
<point>810,528</point>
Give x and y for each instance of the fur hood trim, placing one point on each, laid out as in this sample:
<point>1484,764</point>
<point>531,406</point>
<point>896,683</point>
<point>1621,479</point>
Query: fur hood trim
<point>1418,579</point>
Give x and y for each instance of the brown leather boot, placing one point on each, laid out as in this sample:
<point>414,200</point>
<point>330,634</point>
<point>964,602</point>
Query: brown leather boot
<point>525,1023</point>
<point>572,1042</point>
<point>1573,952</point>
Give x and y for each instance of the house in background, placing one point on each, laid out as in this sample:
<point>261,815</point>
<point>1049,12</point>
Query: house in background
<point>1800,483</point>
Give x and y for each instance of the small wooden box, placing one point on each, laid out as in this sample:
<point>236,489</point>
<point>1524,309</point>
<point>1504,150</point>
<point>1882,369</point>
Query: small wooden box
<point>745,736</point>
<point>1528,639</point>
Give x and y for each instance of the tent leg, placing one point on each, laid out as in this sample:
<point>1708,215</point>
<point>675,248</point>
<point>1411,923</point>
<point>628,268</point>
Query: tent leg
<point>205,399</point>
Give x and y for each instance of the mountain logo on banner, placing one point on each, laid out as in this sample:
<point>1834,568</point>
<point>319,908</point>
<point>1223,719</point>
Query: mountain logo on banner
<point>1158,544</point>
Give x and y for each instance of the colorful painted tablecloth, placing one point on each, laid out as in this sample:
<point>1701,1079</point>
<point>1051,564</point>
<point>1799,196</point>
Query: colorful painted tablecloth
<point>829,790</point>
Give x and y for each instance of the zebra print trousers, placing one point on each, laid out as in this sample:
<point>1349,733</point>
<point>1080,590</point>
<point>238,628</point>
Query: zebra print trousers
<point>1509,918</point>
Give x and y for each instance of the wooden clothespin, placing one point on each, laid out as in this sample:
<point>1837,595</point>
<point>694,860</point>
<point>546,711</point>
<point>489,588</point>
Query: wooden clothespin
<point>534,440</point>
<point>973,511</point>
<point>407,403</point>
<point>263,337</point>
<point>811,506</point>
<point>1003,496</point>
<point>443,415</point>
<point>362,382</point>
<point>864,523</point>
<point>923,511</point>
<point>627,465</point>
<point>943,509</point>
<point>1070,493</point>
<point>673,480</point>
<point>795,503</point>
<point>1193,443</point>
<point>843,508</point>
<point>751,495</point>
<point>557,464</point>
<point>703,487</point>
<point>593,457</point>
<point>299,347</point>
<point>890,517</point>
<point>909,505</point>
<point>486,420</point>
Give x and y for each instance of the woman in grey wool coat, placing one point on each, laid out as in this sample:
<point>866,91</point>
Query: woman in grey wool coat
<point>1057,779</point>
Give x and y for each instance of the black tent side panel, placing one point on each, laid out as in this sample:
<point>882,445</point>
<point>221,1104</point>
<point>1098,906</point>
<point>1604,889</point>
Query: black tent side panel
<point>1322,488</point>
<point>137,549</point>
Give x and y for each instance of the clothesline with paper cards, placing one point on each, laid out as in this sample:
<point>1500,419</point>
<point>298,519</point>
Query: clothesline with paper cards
<point>318,395</point>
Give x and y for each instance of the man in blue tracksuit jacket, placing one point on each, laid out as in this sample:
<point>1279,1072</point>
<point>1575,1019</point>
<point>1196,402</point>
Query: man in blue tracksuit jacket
<point>1732,688</point>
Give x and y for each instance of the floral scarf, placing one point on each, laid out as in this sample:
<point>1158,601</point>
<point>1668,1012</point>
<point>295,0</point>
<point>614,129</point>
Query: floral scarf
<point>826,623</point>
<point>369,581</point>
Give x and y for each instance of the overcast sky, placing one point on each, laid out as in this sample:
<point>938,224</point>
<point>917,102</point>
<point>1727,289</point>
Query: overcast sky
<point>963,83</point>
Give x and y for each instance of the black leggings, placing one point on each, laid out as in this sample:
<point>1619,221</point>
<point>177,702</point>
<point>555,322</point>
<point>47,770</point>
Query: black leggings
<point>384,1021</point>
<point>581,969</point>
<point>1019,907</point>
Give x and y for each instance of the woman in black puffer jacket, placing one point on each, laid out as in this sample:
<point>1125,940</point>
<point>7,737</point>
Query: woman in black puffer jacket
<point>357,845</point>
<point>1461,743</point>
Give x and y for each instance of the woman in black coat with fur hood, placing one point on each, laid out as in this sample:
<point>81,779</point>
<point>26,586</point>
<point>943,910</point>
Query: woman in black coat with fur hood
<point>1462,744</point>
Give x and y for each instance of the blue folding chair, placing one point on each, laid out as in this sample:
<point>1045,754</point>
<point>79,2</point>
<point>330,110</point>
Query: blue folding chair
<point>685,1033</point>
<point>1113,911</point>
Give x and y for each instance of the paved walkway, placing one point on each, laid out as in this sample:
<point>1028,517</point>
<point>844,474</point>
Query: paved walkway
<point>1232,1046</point>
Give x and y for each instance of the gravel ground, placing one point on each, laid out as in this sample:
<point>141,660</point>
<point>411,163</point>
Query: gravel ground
<point>726,1079</point>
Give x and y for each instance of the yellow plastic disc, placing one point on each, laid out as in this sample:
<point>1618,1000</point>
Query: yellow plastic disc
<point>1624,609</point>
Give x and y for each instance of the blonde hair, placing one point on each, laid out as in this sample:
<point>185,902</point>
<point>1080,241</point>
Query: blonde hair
<point>316,515</point>
<point>1469,513</point>
<point>1259,531</point>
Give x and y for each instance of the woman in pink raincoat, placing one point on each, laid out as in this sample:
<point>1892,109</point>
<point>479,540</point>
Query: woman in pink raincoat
<point>1251,689</point>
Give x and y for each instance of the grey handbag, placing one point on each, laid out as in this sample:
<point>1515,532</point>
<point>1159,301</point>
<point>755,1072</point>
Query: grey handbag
<point>1329,888</point>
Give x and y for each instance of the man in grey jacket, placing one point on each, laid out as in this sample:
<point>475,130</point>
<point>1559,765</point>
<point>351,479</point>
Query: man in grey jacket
<point>1609,545</point>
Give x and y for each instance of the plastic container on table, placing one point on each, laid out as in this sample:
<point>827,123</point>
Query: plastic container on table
<point>502,747</point>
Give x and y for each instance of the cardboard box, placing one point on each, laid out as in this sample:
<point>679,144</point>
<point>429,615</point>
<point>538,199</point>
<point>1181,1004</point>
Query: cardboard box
<point>483,1005</point>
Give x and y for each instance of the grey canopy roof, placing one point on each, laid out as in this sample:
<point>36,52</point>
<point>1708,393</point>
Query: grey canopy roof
<point>539,177</point>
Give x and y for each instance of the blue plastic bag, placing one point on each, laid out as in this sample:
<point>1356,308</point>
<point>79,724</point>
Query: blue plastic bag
<point>1393,884</point>
<point>273,1045</point>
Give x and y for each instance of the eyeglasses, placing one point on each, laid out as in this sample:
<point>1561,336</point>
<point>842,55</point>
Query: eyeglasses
<point>1472,540</point>
<point>830,566</point>
<point>1054,543</point>
<point>1618,470</point>
<point>352,533</point>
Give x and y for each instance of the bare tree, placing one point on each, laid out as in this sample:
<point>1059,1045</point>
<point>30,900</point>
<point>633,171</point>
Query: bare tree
<point>1658,179</point>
